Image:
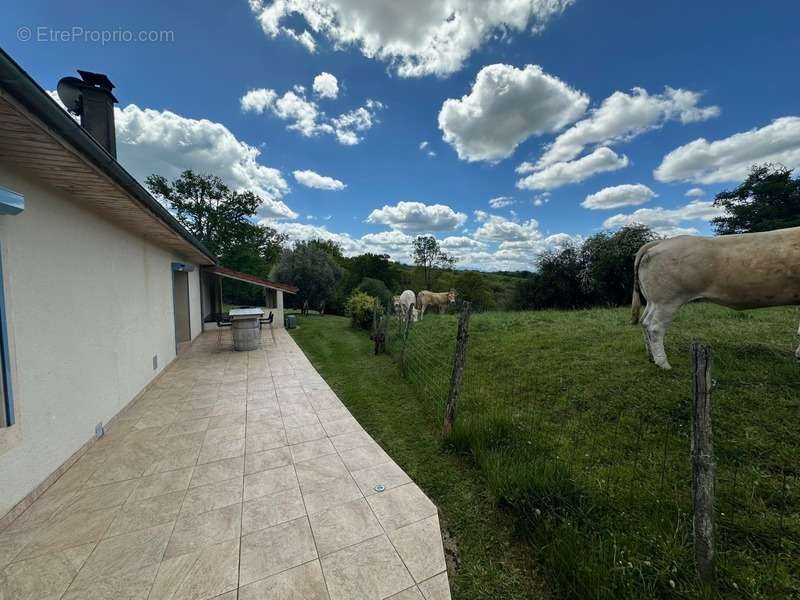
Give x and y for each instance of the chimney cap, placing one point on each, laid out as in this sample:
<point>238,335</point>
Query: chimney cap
<point>96,79</point>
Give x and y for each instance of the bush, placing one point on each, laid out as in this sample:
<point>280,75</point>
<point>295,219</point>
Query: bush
<point>360,308</point>
<point>313,271</point>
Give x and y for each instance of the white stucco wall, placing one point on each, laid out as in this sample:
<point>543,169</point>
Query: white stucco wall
<point>89,305</point>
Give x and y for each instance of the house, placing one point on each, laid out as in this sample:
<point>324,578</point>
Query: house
<point>100,286</point>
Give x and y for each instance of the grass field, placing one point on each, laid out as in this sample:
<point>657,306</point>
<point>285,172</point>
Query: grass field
<point>586,444</point>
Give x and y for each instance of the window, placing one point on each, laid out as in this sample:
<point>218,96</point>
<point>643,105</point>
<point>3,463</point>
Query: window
<point>7,408</point>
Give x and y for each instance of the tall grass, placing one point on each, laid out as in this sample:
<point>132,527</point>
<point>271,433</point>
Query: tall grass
<point>587,444</point>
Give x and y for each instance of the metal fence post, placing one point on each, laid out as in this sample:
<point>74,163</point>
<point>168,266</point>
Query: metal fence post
<point>406,328</point>
<point>702,457</point>
<point>459,360</point>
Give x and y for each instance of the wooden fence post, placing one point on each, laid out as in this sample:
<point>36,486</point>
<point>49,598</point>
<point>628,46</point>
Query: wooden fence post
<point>459,360</point>
<point>702,456</point>
<point>406,328</point>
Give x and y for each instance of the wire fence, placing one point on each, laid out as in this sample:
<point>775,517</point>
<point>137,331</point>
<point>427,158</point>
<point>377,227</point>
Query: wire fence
<point>591,451</point>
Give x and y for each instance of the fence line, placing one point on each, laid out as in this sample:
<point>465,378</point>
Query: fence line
<point>642,467</point>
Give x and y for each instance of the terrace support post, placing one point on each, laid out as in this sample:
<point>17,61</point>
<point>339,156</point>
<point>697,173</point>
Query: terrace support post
<point>406,328</point>
<point>702,458</point>
<point>458,370</point>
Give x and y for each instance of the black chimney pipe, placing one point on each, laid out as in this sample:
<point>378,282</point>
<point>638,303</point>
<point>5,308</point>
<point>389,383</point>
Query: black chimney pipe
<point>91,98</point>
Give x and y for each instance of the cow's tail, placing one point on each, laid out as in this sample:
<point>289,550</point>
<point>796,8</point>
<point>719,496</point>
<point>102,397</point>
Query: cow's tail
<point>636,301</point>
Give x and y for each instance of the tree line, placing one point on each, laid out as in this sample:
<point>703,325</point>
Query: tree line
<point>596,272</point>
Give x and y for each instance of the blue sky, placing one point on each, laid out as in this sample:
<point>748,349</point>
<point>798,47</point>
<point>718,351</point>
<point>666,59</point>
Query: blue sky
<point>628,104</point>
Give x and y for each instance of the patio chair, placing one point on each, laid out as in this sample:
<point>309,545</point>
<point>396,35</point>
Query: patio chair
<point>268,321</point>
<point>222,323</point>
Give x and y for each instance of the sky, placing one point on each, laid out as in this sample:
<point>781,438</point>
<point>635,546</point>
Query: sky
<point>502,132</point>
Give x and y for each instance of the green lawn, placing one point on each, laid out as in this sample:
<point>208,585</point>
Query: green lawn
<point>485,560</point>
<point>565,428</point>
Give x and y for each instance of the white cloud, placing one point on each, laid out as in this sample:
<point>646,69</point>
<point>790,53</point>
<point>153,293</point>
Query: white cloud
<point>165,143</point>
<point>505,107</point>
<point>667,221</point>
<point>731,158</point>
<point>541,199</point>
<point>305,116</point>
<point>495,228</point>
<point>314,180</point>
<point>455,243</point>
<point>304,231</point>
<point>423,145</point>
<point>326,85</point>
<point>394,243</point>
<point>695,192</point>
<point>416,216</point>
<point>501,201</point>
<point>629,194</point>
<point>559,174</point>
<point>416,37</point>
<point>623,116</point>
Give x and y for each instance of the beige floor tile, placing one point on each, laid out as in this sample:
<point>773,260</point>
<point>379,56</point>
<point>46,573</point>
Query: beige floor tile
<point>436,588</point>
<point>192,532</point>
<point>173,462</point>
<point>389,475</point>
<point>346,425</point>
<point>343,525</point>
<point>259,442</point>
<point>104,496</point>
<point>409,594</point>
<point>401,506</point>
<point>128,462</point>
<point>161,483</point>
<point>200,575</point>
<point>333,414</point>
<point>146,513</point>
<point>313,474</point>
<point>420,547</point>
<point>312,449</point>
<point>369,570</point>
<point>346,441</point>
<point>300,419</point>
<point>124,554</point>
<point>128,586</point>
<point>332,493</point>
<point>181,427</point>
<point>270,551</point>
<point>304,582</point>
<point>363,457</point>
<point>74,529</point>
<point>264,483</point>
<point>43,577</point>
<point>298,435</point>
<point>211,497</point>
<point>223,434</point>
<point>220,470</point>
<point>12,543</point>
<point>221,451</point>
<point>269,459</point>
<point>271,510</point>
<point>231,417</point>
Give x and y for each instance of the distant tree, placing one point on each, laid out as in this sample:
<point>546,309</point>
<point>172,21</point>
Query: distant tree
<point>374,266</point>
<point>375,288</point>
<point>329,247</point>
<point>474,288</point>
<point>222,219</point>
<point>556,283</point>
<point>429,256</point>
<point>607,263</point>
<point>313,271</point>
<point>768,199</point>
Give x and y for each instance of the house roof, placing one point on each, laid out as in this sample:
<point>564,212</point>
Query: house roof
<point>247,278</point>
<point>38,136</point>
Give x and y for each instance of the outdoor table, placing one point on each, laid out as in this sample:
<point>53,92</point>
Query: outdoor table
<point>245,329</point>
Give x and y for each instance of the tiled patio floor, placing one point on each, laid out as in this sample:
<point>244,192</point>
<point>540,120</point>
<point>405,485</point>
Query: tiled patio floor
<point>237,475</point>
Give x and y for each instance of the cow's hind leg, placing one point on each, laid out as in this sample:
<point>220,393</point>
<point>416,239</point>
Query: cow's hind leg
<point>643,321</point>
<point>658,319</point>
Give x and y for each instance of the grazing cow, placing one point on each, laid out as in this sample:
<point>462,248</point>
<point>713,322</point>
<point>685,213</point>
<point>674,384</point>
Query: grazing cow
<point>440,299</point>
<point>743,271</point>
<point>407,298</point>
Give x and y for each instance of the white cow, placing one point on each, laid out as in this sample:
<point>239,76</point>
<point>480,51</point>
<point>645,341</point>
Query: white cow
<point>441,299</point>
<point>744,271</point>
